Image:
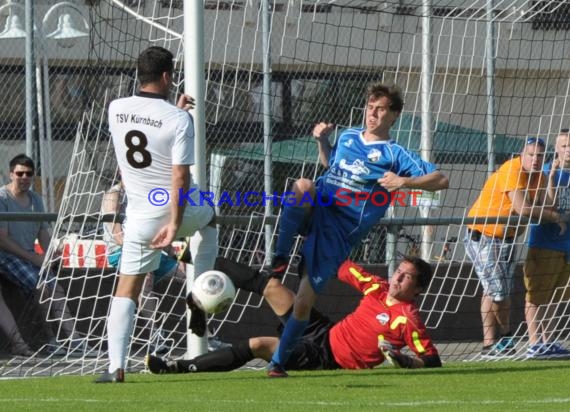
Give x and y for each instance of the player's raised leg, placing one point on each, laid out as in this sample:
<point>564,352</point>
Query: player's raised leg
<point>293,216</point>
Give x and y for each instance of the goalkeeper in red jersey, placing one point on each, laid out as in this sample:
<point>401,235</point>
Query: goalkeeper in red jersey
<point>385,321</point>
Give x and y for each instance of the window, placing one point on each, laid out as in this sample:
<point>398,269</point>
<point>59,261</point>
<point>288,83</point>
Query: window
<point>223,5</point>
<point>550,15</point>
<point>316,8</point>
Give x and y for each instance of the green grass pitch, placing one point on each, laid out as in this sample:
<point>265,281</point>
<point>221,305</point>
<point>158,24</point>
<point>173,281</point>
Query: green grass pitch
<point>458,386</point>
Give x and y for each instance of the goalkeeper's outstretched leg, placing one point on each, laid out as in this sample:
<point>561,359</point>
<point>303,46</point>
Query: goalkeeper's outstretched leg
<point>352,343</point>
<point>279,297</point>
<point>267,284</point>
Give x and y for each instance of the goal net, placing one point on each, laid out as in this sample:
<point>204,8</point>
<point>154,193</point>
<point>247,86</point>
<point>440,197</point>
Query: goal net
<point>475,85</point>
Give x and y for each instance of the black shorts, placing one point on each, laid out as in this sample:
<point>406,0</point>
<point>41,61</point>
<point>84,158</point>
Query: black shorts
<point>313,352</point>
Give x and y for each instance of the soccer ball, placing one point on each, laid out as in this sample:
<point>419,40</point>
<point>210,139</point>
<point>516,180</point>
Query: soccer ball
<point>213,291</point>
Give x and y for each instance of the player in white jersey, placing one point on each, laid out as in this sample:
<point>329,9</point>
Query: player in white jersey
<point>154,146</point>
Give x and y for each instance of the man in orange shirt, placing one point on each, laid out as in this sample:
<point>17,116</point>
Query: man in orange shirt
<point>516,188</point>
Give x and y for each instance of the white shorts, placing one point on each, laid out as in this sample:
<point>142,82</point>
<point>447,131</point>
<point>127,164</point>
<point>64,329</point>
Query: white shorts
<point>138,257</point>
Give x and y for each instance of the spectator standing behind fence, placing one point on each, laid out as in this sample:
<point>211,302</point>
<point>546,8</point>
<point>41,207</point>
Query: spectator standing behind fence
<point>547,265</point>
<point>154,147</point>
<point>365,164</point>
<point>385,321</point>
<point>19,263</point>
<point>514,189</point>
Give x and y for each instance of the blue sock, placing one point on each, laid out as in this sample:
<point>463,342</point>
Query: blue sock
<point>293,331</point>
<point>289,224</point>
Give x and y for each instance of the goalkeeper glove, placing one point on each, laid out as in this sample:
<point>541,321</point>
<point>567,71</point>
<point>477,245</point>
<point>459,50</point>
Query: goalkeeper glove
<point>394,356</point>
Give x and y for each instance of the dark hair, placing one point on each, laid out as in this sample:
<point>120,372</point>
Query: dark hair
<point>152,63</point>
<point>425,272</point>
<point>22,160</point>
<point>378,90</point>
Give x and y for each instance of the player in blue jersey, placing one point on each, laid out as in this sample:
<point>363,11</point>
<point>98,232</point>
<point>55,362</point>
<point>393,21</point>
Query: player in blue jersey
<point>547,266</point>
<point>364,169</point>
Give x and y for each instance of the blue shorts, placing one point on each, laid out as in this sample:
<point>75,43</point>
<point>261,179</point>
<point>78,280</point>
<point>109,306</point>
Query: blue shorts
<point>326,246</point>
<point>167,266</point>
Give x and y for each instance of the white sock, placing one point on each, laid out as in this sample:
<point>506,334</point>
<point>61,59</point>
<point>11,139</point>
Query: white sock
<point>119,328</point>
<point>204,249</point>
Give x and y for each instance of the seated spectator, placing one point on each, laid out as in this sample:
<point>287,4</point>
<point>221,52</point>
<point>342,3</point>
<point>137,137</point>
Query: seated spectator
<point>115,202</point>
<point>19,263</point>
